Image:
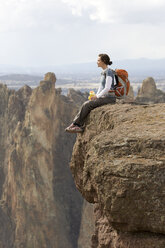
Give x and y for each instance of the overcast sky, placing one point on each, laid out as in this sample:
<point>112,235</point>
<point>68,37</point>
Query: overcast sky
<point>52,32</point>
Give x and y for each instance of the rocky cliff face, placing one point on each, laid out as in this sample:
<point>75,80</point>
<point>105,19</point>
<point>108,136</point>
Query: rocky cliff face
<point>118,164</point>
<point>40,206</point>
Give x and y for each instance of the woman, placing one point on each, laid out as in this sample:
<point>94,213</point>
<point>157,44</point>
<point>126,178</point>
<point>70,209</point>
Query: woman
<point>102,97</point>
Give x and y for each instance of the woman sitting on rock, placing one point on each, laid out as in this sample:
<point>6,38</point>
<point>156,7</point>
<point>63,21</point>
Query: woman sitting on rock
<point>102,97</point>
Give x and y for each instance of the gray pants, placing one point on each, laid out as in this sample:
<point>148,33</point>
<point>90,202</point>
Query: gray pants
<point>89,105</point>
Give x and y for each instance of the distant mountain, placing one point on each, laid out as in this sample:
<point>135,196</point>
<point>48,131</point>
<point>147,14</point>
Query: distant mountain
<point>136,67</point>
<point>20,77</point>
<point>143,66</point>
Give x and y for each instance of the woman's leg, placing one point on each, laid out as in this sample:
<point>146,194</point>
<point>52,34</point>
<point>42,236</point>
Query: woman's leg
<point>88,106</point>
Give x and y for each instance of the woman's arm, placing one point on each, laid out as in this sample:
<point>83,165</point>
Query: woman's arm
<point>99,90</point>
<point>107,87</point>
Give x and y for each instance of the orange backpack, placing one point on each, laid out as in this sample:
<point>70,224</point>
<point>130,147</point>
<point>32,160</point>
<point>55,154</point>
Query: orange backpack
<point>121,88</point>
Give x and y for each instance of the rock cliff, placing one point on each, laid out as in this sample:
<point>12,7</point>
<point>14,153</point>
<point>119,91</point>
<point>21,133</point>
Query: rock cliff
<point>118,164</point>
<point>149,93</point>
<point>40,206</point>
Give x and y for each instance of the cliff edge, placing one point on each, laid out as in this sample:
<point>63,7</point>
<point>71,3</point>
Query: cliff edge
<point>118,164</point>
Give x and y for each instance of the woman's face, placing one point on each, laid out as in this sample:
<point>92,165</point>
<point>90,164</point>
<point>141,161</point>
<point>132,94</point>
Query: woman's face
<point>100,63</point>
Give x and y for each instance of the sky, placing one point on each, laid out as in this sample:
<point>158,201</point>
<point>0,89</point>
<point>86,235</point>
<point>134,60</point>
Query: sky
<point>57,32</point>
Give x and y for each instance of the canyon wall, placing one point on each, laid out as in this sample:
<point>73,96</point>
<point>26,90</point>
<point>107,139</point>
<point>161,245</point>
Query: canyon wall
<point>40,206</point>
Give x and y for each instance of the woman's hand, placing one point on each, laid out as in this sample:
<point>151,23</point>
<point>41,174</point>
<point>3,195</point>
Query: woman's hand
<point>93,98</point>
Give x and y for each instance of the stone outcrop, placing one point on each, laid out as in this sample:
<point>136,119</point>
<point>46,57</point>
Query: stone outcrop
<point>40,206</point>
<point>149,92</point>
<point>118,164</point>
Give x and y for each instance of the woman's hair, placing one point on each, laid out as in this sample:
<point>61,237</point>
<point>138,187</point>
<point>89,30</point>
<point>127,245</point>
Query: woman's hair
<point>105,58</point>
